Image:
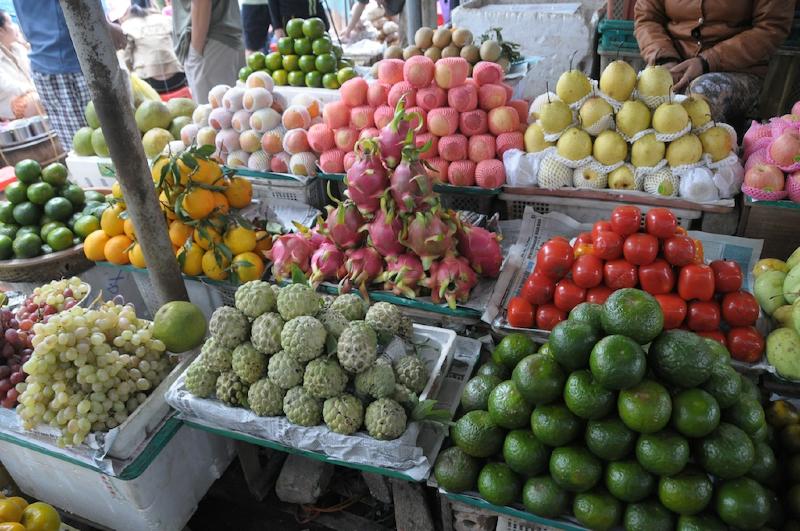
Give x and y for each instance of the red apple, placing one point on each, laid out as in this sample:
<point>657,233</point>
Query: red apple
<point>785,148</point>
<point>764,177</point>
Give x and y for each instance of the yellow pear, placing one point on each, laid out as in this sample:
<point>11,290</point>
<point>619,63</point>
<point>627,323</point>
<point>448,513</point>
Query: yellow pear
<point>574,144</point>
<point>654,81</point>
<point>685,150</point>
<point>572,86</point>
<point>698,109</point>
<point>609,148</point>
<point>618,80</point>
<point>717,142</point>
<point>634,116</point>
<point>593,110</point>
<point>647,151</point>
<point>670,118</point>
<point>555,116</point>
<point>534,139</point>
<point>622,179</point>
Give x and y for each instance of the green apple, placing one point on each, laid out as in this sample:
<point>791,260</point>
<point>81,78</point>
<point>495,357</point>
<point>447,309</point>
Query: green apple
<point>793,259</point>
<point>768,290</point>
<point>791,285</point>
<point>783,352</point>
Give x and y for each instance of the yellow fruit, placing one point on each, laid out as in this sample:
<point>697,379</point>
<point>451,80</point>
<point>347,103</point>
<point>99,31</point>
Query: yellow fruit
<point>221,204</point>
<point>110,221</point>
<point>93,245</point>
<point>155,170</point>
<point>198,203</point>
<point>116,249</point>
<point>21,502</point>
<point>10,511</point>
<point>41,517</point>
<point>13,526</point>
<point>116,191</point>
<point>192,258</point>
<point>207,172</point>
<point>263,241</point>
<point>248,266</point>
<point>239,192</point>
<point>769,264</point>
<point>240,240</point>
<point>206,237</point>
<point>128,229</point>
<point>136,256</point>
<point>213,268</point>
<point>179,232</point>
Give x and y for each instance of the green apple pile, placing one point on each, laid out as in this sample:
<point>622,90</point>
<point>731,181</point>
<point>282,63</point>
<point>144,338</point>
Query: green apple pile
<point>306,57</point>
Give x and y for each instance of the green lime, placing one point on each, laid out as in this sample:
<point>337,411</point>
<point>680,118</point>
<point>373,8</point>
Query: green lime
<point>6,247</point>
<point>337,51</point>
<point>688,492</point>
<point>609,439</point>
<point>60,238</point>
<point>645,408</point>
<point>617,362</point>
<point>498,484</point>
<point>628,481</point>
<point>597,509</point>
<point>296,79</point>
<point>344,73</point>
<point>280,77</point>
<point>306,63</point>
<point>695,413</point>
<point>28,229</point>
<point>75,195</point>
<point>746,414</point>
<point>49,226</point>
<point>91,116</point>
<point>680,358</point>
<point>543,497</point>
<point>26,213</point>
<point>724,384</point>
<point>700,522</point>
<point>40,193</point>
<point>763,434</point>
<point>476,392</point>
<point>718,351</point>
<point>313,28</point>
<point>92,195</point>
<point>321,45</point>
<point>555,425</point>
<point>588,312</point>
<point>750,389</point>
<point>727,452</point>
<point>477,435</point>
<point>586,398</point>
<point>571,343</point>
<point>329,81</point>
<point>539,379</point>
<point>256,60</point>
<point>743,503</point>
<point>28,171</point>
<point>291,63</point>
<point>664,453</point>
<point>546,351</point>
<point>507,406</point>
<point>765,466</point>
<point>648,515</point>
<point>55,174</point>
<point>633,313</point>
<point>524,453</point>
<point>274,61</point>
<point>314,79</point>
<point>285,47</point>
<point>85,225</point>
<point>16,192</point>
<point>490,368</point>
<point>58,208</point>
<point>574,468</point>
<point>302,46</point>
<point>512,349</point>
<point>6,212</point>
<point>294,28</point>
<point>326,63</point>
<point>9,229</point>
<point>27,246</point>
<point>455,470</point>
<point>244,73</point>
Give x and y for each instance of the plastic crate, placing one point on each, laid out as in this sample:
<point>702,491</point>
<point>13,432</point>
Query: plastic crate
<point>506,523</point>
<point>620,9</point>
<point>617,35</point>
<point>268,185</point>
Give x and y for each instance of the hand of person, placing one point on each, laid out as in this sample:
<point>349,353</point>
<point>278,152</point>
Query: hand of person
<point>198,50</point>
<point>686,72</point>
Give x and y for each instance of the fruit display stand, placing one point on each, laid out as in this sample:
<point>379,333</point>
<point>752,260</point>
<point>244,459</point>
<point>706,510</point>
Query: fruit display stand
<point>91,171</point>
<point>772,221</point>
<point>60,264</point>
<point>270,185</point>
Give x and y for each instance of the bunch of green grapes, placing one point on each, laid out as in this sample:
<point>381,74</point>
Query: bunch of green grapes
<point>60,294</point>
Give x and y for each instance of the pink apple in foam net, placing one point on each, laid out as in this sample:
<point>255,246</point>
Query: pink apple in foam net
<point>764,177</point>
<point>785,148</point>
<point>796,108</point>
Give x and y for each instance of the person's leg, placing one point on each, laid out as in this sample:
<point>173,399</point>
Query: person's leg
<point>255,26</point>
<point>732,96</point>
<point>219,64</point>
<point>64,98</point>
<point>192,67</point>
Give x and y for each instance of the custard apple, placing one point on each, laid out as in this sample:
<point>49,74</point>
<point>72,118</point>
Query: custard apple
<point>215,356</point>
<point>200,380</point>
<point>406,328</point>
<point>343,414</point>
<point>284,371</point>
<point>249,364</point>
<point>254,298</point>
<point>265,398</point>
<point>377,381</point>
<point>405,397</point>
<point>412,372</point>
<point>327,300</point>
<point>231,390</point>
<point>333,321</point>
<point>301,408</point>
<point>385,319</point>
<point>275,289</point>
<point>357,347</point>
<point>324,378</point>
<point>304,338</point>
<point>266,333</point>
<point>351,306</point>
<point>385,419</point>
<point>297,299</point>
<point>229,326</point>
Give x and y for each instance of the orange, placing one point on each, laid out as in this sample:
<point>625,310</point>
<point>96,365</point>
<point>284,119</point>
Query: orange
<point>13,526</point>
<point>116,191</point>
<point>198,203</point>
<point>156,168</point>
<point>93,245</point>
<point>207,172</point>
<point>192,258</point>
<point>10,511</point>
<point>136,256</point>
<point>263,241</point>
<point>127,228</point>
<point>221,203</point>
<point>21,502</point>
<point>248,266</point>
<point>116,249</point>
<point>206,237</point>
<point>166,206</point>
<point>215,267</point>
<point>239,192</point>
<point>41,517</point>
<point>240,240</point>
<point>179,232</point>
<point>110,221</point>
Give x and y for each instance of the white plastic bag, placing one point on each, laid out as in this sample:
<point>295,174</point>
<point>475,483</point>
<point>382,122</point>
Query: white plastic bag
<point>728,179</point>
<point>522,168</point>
<point>697,184</point>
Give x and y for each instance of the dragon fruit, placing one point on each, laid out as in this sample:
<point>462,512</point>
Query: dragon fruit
<point>362,267</point>
<point>294,248</point>
<point>343,224</point>
<point>366,179</point>
<point>327,263</point>
<point>410,185</point>
<point>403,275</point>
<point>395,135</point>
<point>429,236</point>
<point>384,233</point>
<point>481,248</point>
<point>451,279</point>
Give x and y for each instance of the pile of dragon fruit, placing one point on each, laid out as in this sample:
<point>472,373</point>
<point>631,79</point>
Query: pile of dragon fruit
<point>468,122</point>
<point>391,231</point>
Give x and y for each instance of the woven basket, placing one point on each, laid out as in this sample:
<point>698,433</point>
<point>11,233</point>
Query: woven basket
<point>66,263</point>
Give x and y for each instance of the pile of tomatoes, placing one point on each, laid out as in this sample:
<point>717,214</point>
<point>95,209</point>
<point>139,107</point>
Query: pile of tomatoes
<point>662,260</point>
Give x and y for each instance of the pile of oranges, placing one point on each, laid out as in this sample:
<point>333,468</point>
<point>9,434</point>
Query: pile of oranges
<point>199,203</point>
<point>17,515</point>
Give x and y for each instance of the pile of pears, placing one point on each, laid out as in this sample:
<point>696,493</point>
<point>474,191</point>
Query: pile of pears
<point>646,109</point>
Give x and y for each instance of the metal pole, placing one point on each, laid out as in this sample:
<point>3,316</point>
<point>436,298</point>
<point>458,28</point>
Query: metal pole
<point>92,40</point>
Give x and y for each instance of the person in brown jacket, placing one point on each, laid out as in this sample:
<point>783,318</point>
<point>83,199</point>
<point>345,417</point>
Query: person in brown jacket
<point>718,49</point>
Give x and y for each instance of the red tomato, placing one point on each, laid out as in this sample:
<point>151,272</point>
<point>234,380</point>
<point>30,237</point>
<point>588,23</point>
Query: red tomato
<point>716,335</point>
<point>547,316</point>
<point>657,278</point>
<point>626,220</point>
<point>745,343</point>
<point>584,237</point>
<point>555,258</point>
<point>661,223</point>
<point>520,313</point>
<point>587,271</point>
<point>598,294</point>
<point>703,316</point>
<point>673,308</point>
<point>620,274</point>
<point>696,281</point>
<point>607,245</point>
<point>679,250</point>
<point>727,276</point>
<point>640,248</point>
<point>568,295</point>
<point>583,248</point>
<point>600,226</point>
<point>740,308</point>
<point>538,288</point>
